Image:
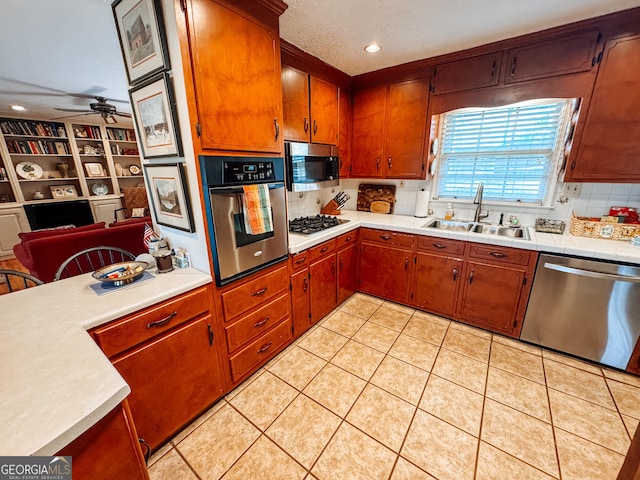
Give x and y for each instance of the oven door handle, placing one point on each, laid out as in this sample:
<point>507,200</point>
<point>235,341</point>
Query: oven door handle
<point>591,273</point>
<point>234,190</point>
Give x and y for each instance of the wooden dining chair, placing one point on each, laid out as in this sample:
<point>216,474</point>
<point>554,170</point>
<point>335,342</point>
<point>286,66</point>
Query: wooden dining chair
<point>23,280</point>
<point>90,260</point>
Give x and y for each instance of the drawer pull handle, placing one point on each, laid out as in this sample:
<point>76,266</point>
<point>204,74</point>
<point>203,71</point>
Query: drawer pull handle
<point>210,334</point>
<point>301,260</point>
<point>455,273</point>
<point>341,264</point>
<point>162,322</point>
<point>259,292</point>
<point>439,245</point>
<point>305,285</point>
<point>385,237</point>
<point>333,268</point>
<point>471,277</point>
<point>265,347</point>
<point>349,238</point>
<point>147,449</point>
<point>406,263</point>
<point>497,254</point>
<point>261,322</point>
<point>306,125</point>
<point>324,249</point>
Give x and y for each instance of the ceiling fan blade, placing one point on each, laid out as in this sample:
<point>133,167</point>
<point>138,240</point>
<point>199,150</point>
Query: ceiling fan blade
<point>82,110</point>
<point>76,115</point>
<point>28,84</point>
<point>128,115</point>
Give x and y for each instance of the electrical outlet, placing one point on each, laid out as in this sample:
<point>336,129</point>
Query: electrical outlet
<point>571,190</point>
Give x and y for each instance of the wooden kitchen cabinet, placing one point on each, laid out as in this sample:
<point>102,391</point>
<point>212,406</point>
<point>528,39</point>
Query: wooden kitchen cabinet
<point>310,108</point>
<point>257,320</point>
<point>609,146</point>
<point>389,126</point>
<point>109,450</point>
<point>300,305</point>
<point>439,268</point>
<point>171,344</point>
<point>344,133</point>
<point>468,73</point>
<point>567,54</point>
<point>347,258</point>
<point>386,263</point>
<point>322,279</point>
<point>495,287</point>
<point>236,76</point>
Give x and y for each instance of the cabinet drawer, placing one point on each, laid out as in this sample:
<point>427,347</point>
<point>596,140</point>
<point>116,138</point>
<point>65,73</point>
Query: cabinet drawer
<point>299,260</point>
<point>441,245</point>
<point>253,292</point>
<point>387,237</point>
<point>257,322</point>
<point>122,334</point>
<point>347,239</point>
<point>323,249</point>
<point>260,350</point>
<point>513,256</point>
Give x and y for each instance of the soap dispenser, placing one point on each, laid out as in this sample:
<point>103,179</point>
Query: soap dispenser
<point>449,214</point>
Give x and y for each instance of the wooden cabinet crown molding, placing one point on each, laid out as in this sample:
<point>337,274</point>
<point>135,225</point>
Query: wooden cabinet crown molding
<point>295,57</point>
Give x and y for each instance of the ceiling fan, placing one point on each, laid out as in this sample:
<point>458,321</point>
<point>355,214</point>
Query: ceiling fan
<point>107,111</point>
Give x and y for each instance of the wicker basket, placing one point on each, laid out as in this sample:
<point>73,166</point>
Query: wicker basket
<point>586,227</point>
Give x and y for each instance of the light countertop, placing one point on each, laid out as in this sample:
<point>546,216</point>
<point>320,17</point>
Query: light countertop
<point>55,382</point>
<point>568,244</point>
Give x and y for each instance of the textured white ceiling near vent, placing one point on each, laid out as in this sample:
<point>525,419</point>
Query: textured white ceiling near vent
<point>337,31</point>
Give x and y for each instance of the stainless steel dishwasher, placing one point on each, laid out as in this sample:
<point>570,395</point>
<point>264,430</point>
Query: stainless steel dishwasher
<point>587,308</point>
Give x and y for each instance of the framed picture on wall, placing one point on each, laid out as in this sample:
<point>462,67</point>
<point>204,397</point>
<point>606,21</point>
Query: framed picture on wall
<point>167,186</point>
<point>140,26</point>
<point>155,117</point>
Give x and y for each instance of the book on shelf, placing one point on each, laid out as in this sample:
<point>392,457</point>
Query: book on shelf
<point>32,128</point>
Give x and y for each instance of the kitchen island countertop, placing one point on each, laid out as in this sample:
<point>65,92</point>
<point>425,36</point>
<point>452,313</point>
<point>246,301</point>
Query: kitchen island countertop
<point>55,381</point>
<point>566,243</point>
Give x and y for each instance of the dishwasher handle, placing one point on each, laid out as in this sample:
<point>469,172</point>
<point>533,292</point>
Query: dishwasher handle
<point>591,273</point>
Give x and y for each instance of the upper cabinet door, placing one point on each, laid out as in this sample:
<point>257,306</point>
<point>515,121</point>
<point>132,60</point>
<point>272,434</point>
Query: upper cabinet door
<point>406,126</point>
<point>295,104</point>
<point>368,130</point>
<point>609,147</point>
<point>324,112</point>
<point>468,73</point>
<point>569,54</point>
<point>236,70</point>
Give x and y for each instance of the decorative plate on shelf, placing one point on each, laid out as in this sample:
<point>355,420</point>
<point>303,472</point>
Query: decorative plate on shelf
<point>29,170</point>
<point>134,169</point>
<point>99,189</point>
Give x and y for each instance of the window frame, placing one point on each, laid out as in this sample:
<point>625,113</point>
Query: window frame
<point>557,160</point>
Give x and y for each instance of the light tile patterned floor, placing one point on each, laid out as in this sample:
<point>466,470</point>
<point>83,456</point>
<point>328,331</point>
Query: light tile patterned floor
<point>379,391</point>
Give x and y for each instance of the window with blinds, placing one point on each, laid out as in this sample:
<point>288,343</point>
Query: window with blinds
<point>513,150</point>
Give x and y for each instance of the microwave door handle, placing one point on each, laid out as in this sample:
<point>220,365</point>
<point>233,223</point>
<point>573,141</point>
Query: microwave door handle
<point>591,274</point>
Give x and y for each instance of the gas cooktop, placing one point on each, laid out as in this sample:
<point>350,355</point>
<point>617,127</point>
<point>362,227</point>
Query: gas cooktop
<point>310,225</point>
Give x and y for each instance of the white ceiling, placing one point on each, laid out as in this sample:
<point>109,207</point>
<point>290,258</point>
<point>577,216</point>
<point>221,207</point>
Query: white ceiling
<point>55,49</point>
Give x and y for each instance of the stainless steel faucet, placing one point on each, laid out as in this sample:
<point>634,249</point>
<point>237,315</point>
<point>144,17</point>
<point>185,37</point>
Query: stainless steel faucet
<point>478,200</point>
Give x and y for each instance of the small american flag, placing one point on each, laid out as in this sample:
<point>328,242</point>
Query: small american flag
<point>149,235</point>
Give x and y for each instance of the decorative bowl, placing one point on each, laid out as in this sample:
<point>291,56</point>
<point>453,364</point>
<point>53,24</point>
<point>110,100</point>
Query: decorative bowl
<point>121,273</point>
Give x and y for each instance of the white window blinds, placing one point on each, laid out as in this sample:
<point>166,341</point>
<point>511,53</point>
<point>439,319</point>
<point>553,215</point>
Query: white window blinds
<point>510,149</point>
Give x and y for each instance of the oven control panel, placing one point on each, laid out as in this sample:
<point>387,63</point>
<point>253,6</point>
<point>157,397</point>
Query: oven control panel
<point>248,172</point>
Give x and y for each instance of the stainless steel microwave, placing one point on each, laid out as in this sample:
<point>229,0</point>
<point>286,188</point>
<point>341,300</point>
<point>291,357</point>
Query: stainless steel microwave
<point>311,166</point>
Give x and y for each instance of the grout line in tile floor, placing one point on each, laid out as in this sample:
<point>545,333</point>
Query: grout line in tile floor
<point>395,464</point>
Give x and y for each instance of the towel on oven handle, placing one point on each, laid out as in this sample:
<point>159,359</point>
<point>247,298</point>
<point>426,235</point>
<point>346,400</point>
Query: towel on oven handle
<point>257,209</point>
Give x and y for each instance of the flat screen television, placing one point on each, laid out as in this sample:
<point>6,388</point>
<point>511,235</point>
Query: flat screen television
<point>51,215</point>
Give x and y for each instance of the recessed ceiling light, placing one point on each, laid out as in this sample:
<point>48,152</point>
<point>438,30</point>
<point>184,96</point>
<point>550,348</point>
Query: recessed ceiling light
<point>18,108</point>
<point>372,48</point>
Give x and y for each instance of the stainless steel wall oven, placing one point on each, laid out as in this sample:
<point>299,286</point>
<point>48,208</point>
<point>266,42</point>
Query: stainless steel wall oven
<point>246,213</point>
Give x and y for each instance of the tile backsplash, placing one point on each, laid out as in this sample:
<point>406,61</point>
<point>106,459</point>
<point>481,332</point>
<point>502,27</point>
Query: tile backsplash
<point>594,200</point>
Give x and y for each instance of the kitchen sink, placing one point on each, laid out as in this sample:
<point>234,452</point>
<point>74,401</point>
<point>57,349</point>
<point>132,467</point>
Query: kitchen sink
<point>449,225</point>
<point>501,231</point>
<point>479,228</point>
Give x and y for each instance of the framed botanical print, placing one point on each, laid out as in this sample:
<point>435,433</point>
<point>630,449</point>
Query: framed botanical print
<point>169,194</point>
<point>155,117</point>
<point>140,26</point>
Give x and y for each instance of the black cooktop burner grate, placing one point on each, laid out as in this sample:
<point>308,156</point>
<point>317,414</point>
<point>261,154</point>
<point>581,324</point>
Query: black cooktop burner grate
<point>309,225</point>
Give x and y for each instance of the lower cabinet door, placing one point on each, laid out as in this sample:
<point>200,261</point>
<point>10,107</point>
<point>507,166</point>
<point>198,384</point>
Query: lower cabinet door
<point>323,287</point>
<point>385,271</point>
<point>300,308</point>
<point>172,379</point>
<point>490,297</point>
<point>437,281</point>
<point>347,272</point>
